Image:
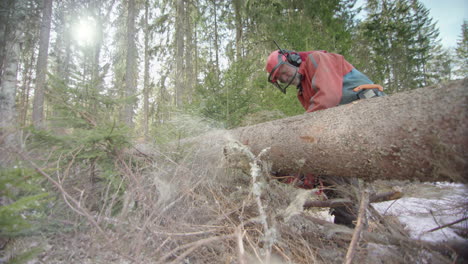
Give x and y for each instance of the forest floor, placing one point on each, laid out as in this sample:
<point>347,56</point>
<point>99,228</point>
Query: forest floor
<point>424,206</point>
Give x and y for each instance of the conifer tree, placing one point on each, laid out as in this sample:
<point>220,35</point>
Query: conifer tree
<point>403,40</point>
<point>41,69</point>
<point>13,15</point>
<point>131,64</point>
<point>462,52</point>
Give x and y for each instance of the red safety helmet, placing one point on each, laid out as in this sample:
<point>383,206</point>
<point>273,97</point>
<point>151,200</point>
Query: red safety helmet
<point>274,62</point>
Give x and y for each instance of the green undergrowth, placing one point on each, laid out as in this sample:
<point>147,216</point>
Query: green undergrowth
<point>24,201</point>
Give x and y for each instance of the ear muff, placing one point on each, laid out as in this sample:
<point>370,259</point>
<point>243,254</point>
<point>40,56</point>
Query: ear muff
<point>292,57</point>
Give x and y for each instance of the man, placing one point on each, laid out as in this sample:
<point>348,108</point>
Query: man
<point>323,80</point>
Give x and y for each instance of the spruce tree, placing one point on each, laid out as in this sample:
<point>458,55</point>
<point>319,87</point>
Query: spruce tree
<point>402,39</point>
<point>462,52</point>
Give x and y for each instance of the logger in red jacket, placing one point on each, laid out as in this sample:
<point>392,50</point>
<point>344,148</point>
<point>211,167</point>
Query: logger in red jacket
<point>323,79</point>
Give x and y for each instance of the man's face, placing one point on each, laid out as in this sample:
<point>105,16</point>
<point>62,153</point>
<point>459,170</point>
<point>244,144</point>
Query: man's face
<point>288,74</point>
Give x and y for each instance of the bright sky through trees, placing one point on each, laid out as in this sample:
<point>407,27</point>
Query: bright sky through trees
<point>84,31</point>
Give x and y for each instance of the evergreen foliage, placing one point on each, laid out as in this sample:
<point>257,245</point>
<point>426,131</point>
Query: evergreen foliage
<point>229,100</point>
<point>462,52</point>
<point>402,39</point>
<point>25,256</point>
<point>85,134</point>
<point>23,201</point>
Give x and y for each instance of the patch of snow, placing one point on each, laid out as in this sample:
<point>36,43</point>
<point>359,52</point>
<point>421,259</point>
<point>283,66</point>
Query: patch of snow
<point>431,206</point>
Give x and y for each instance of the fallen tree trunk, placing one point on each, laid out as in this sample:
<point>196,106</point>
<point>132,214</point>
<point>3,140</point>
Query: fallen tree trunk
<point>415,135</point>
<point>419,135</point>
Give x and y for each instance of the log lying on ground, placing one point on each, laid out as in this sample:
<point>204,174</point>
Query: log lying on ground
<point>416,135</point>
<point>419,135</point>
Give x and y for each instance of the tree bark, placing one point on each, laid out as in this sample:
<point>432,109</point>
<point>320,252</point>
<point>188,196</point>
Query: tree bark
<point>23,94</point>
<point>190,78</point>
<point>216,38</point>
<point>238,22</point>
<point>146,87</point>
<point>180,48</point>
<point>41,70</point>
<point>420,134</point>
<point>4,5</point>
<point>130,75</point>
<point>12,39</point>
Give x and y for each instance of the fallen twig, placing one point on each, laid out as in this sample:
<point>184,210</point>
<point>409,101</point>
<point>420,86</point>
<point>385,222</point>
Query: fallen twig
<point>240,245</point>
<point>447,225</point>
<point>374,198</point>
<point>191,247</point>
<point>359,226</point>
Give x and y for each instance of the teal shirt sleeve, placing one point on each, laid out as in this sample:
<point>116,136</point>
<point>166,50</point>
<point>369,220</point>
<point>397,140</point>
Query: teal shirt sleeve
<point>350,81</point>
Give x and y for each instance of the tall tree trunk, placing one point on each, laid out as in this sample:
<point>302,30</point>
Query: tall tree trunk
<point>180,48</point>
<point>216,38</point>
<point>238,19</point>
<point>62,48</point>
<point>8,84</point>
<point>4,5</point>
<point>41,69</point>
<point>415,135</point>
<point>23,106</point>
<point>130,75</point>
<point>190,75</point>
<point>96,78</point>
<point>146,88</point>
<point>8,78</point>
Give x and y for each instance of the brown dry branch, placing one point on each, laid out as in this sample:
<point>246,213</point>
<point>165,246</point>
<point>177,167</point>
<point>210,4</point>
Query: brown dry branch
<point>385,225</point>
<point>191,247</point>
<point>386,196</point>
<point>76,207</point>
<point>405,245</point>
<point>359,227</point>
<point>66,172</point>
<point>374,198</point>
<point>240,244</point>
<point>106,208</point>
<point>447,225</point>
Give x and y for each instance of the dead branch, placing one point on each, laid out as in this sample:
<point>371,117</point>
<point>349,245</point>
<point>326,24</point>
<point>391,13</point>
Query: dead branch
<point>386,196</point>
<point>447,225</point>
<point>240,245</point>
<point>67,197</point>
<point>346,233</point>
<point>191,247</point>
<point>374,198</point>
<point>359,226</point>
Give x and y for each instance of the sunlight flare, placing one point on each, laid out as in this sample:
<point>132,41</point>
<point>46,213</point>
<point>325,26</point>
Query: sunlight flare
<point>84,31</point>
